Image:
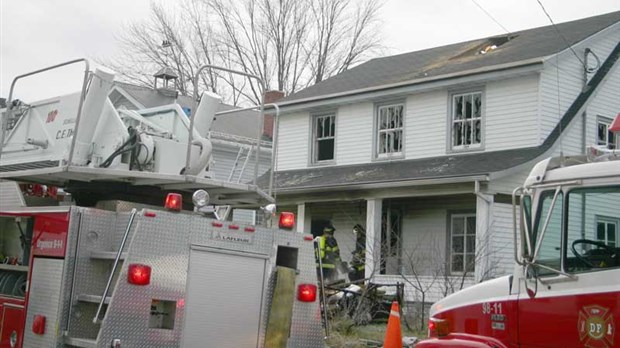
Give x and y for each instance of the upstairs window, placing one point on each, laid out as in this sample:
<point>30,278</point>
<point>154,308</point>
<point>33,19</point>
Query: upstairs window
<point>603,136</point>
<point>323,137</point>
<point>389,130</point>
<point>607,230</point>
<point>466,120</point>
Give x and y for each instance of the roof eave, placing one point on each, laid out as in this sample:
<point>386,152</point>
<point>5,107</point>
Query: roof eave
<point>538,61</point>
<point>387,184</point>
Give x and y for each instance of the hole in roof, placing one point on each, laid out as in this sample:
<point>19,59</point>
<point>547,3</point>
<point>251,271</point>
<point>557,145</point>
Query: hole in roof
<point>487,46</point>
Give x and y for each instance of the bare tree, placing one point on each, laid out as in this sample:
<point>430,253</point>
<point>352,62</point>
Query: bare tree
<point>289,44</point>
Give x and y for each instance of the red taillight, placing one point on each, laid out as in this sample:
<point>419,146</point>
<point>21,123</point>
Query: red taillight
<point>139,274</point>
<point>438,327</point>
<point>306,292</point>
<point>149,213</point>
<point>249,229</point>
<point>287,220</point>
<point>174,202</point>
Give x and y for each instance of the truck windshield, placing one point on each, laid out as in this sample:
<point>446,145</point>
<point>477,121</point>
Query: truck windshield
<point>582,232</point>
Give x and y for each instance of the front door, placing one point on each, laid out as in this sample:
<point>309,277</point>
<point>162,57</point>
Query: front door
<point>580,306</point>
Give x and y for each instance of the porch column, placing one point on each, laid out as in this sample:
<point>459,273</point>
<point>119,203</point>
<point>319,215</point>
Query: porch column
<point>301,217</point>
<point>373,236</point>
<point>484,237</point>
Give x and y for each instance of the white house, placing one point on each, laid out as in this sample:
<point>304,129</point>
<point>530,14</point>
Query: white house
<point>425,148</point>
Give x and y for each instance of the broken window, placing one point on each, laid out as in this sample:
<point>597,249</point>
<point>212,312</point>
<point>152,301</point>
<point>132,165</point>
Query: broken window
<point>324,134</point>
<point>389,130</point>
<point>466,120</point>
<point>603,136</point>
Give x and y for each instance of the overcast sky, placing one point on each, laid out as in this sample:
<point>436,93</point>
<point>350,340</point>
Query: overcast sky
<point>40,33</point>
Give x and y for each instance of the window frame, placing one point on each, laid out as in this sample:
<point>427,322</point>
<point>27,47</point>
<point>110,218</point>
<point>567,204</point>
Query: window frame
<point>606,121</point>
<point>607,220</point>
<point>450,120</point>
<point>464,216</point>
<point>313,160</point>
<point>377,131</point>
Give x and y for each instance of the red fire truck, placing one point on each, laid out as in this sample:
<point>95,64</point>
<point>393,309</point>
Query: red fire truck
<point>116,270</point>
<point>565,289</point>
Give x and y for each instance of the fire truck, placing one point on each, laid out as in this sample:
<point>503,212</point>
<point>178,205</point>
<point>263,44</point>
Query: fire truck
<point>565,288</point>
<point>147,257</point>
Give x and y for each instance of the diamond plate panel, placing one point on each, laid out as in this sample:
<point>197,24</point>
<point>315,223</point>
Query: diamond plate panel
<point>163,242</point>
<point>97,233</point>
<point>44,299</point>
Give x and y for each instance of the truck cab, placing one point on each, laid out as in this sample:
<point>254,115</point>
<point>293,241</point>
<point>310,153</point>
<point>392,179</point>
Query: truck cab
<point>565,288</point>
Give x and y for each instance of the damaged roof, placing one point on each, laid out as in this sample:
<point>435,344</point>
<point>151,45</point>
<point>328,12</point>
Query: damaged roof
<point>456,59</point>
<point>449,166</point>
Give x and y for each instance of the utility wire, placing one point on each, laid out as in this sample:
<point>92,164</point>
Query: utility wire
<point>562,36</point>
<point>489,15</point>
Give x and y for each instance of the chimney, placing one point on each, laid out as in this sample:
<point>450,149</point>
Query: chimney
<point>270,97</point>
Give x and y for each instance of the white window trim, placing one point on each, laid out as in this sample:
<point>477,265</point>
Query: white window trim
<point>607,122</point>
<point>607,220</point>
<point>313,139</point>
<point>451,97</point>
<point>465,251</point>
<point>376,132</point>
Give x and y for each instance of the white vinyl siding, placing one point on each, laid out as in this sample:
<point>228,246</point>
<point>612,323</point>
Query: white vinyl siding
<point>293,141</point>
<point>570,81</point>
<point>355,129</point>
<point>502,253</point>
<point>424,126</point>
<point>511,111</point>
<point>606,103</point>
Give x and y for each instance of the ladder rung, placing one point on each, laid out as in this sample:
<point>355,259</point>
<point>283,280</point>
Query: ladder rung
<point>106,255</point>
<point>92,298</point>
<point>80,342</point>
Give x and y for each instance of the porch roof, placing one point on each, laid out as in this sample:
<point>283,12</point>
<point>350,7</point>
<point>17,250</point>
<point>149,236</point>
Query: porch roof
<point>404,171</point>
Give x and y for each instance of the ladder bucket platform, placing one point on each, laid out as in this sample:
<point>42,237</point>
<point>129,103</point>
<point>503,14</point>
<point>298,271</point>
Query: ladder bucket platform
<point>82,140</point>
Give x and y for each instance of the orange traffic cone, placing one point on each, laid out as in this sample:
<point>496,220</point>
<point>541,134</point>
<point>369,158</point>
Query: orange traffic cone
<point>393,336</point>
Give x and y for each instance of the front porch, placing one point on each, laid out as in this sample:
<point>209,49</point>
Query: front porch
<point>435,242</point>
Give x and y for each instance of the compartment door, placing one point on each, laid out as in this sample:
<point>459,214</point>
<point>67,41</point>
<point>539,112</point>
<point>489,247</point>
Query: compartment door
<point>224,298</point>
<point>12,325</point>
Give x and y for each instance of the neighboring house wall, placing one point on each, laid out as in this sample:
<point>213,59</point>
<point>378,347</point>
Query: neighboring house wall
<point>571,79</point>
<point>224,156</point>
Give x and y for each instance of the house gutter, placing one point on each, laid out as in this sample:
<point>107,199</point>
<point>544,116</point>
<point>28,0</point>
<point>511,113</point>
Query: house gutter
<point>388,184</point>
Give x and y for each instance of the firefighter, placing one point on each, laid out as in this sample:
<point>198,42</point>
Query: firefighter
<point>329,253</point>
<point>358,260</point>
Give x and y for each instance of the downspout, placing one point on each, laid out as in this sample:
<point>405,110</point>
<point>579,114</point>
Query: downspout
<point>486,254</point>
